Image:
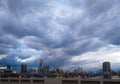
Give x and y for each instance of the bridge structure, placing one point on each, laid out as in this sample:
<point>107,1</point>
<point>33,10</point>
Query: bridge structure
<point>57,81</point>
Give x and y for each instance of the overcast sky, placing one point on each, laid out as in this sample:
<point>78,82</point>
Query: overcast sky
<point>65,33</point>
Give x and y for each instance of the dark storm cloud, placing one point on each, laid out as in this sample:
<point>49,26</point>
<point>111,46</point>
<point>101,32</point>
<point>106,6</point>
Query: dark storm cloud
<point>113,36</point>
<point>64,29</point>
<point>6,42</point>
<point>84,46</point>
<point>22,7</point>
<point>17,9</point>
<point>3,50</point>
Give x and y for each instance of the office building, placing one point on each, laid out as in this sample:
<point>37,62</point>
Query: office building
<point>106,67</point>
<point>79,70</point>
<point>41,68</point>
<point>23,68</point>
<point>8,67</point>
<point>46,69</point>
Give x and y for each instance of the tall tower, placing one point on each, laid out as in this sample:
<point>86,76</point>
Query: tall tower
<point>106,67</point>
<point>41,66</point>
<point>46,69</point>
<point>23,68</point>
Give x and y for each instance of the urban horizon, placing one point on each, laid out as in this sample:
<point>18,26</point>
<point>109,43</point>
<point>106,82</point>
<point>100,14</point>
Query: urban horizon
<point>45,71</point>
<point>54,68</point>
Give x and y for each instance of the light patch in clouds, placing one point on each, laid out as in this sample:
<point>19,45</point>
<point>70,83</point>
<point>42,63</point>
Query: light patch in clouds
<point>94,59</point>
<point>26,60</point>
<point>24,54</point>
<point>2,56</point>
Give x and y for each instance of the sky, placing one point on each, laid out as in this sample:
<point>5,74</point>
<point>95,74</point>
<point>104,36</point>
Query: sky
<point>66,33</point>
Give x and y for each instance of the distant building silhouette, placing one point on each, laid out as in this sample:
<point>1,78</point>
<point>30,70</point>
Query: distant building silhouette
<point>8,67</point>
<point>41,70</point>
<point>2,69</point>
<point>106,69</point>
<point>79,70</point>
<point>32,70</point>
<point>46,69</point>
<point>23,68</point>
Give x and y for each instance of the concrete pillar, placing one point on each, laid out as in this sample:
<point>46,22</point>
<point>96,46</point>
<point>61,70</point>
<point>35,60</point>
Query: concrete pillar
<point>79,80</point>
<point>101,81</point>
<point>53,81</point>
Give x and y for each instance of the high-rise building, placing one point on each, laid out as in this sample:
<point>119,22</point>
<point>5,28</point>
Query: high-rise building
<point>8,67</point>
<point>23,68</point>
<point>41,66</point>
<point>46,69</point>
<point>79,70</point>
<point>106,67</point>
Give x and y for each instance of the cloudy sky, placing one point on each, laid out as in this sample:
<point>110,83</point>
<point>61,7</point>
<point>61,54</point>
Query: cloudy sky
<point>65,33</point>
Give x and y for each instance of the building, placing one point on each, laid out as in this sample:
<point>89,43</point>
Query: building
<point>5,71</point>
<point>41,68</point>
<point>8,67</point>
<point>24,68</point>
<point>32,70</point>
<point>46,69</point>
<point>2,69</point>
<point>79,70</point>
<point>106,67</point>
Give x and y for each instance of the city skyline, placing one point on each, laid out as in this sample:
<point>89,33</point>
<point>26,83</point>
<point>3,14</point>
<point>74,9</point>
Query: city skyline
<point>67,34</point>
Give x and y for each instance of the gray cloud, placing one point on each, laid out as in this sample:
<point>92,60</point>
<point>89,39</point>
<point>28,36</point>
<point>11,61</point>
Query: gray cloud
<point>61,30</point>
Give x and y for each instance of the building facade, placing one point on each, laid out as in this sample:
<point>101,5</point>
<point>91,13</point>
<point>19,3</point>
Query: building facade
<point>106,67</point>
<point>23,68</point>
<point>41,68</point>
